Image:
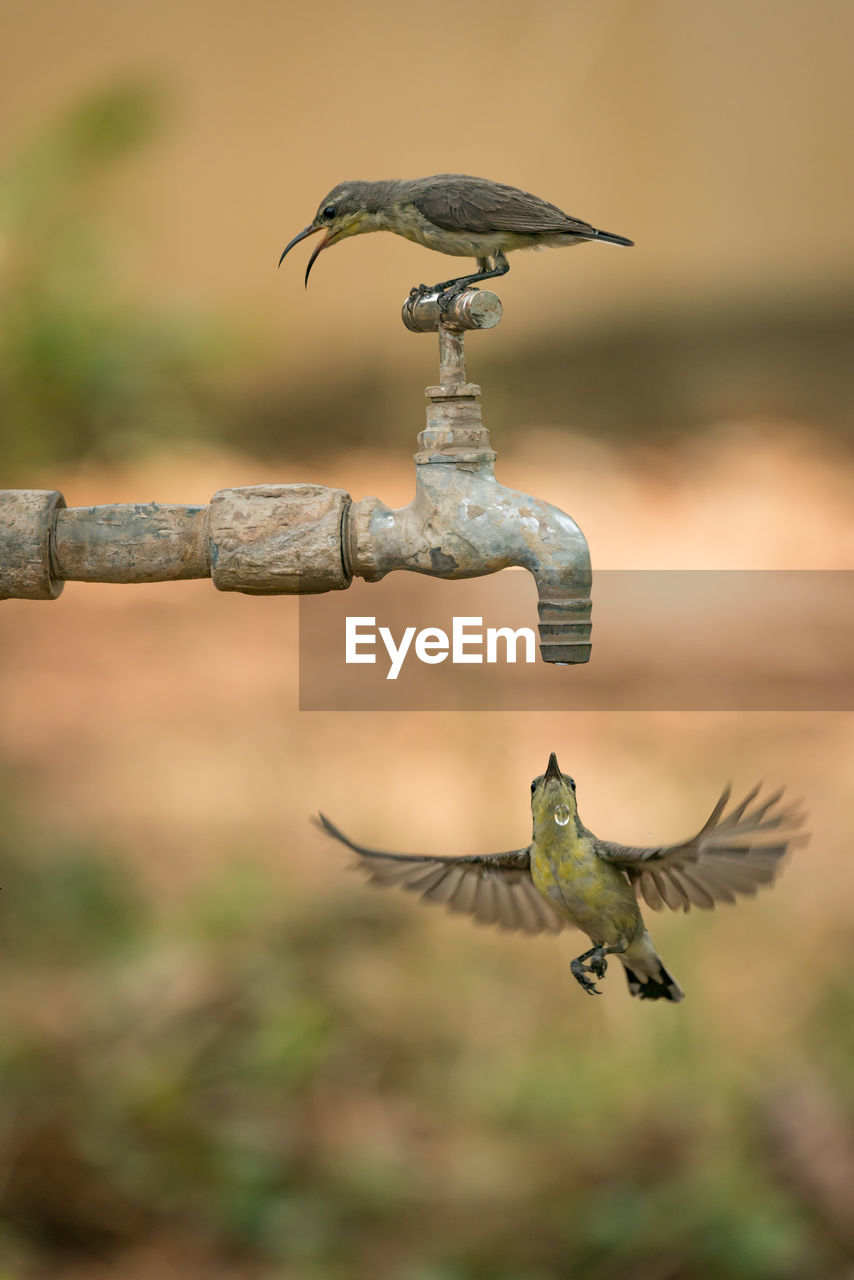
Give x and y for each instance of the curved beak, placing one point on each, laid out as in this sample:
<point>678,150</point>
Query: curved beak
<point>310,231</point>
<point>553,772</point>
<point>307,231</point>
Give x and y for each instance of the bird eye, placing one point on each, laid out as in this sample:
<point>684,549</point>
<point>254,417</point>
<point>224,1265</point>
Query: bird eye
<point>329,211</point>
<point>533,786</point>
<point>572,783</point>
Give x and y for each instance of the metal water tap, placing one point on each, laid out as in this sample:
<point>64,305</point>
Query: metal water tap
<point>298,539</point>
<point>462,523</point>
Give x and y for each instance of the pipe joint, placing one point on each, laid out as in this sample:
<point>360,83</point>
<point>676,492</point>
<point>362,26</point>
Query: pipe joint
<point>27,528</point>
<point>278,539</point>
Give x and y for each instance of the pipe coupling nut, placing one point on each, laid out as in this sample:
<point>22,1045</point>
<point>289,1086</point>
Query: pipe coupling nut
<point>27,523</point>
<point>271,539</point>
<point>367,555</point>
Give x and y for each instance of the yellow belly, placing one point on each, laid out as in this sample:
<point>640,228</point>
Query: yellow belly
<point>594,895</point>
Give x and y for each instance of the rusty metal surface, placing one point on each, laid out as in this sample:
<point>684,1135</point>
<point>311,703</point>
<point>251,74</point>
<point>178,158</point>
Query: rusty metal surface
<point>278,539</point>
<point>26,523</point>
<point>264,539</point>
<point>131,542</point>
<point>462,523</point>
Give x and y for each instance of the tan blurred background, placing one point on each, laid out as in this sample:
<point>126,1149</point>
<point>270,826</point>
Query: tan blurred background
<point>220,1055</point>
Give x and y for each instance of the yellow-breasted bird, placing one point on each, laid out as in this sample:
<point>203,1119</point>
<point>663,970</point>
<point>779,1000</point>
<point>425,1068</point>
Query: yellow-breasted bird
<point>567,875</point>
<point>451,213</point>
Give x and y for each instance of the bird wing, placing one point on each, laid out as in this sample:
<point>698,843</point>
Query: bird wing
<point>472,204</point>
<point>733,853</point>
<point>496,888</point>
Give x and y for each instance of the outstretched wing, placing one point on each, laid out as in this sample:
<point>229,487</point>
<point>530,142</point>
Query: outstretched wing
<point>472,204</point>
<point>733,853</point>
<point>495,888</point>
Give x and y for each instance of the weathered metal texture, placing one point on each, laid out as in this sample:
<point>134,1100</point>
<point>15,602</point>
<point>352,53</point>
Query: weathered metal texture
<point>272,539</point>
<point>455,433</point>
<point>452,363</point>
<point>26,523</point>
<point>266,539</point>
<point>463,524</point>
<point>470,309</point>
<point>132,542</point>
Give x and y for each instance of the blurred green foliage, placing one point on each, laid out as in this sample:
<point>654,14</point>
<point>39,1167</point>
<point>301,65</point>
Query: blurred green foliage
<point>84,369</point>
<point>282,1076</point>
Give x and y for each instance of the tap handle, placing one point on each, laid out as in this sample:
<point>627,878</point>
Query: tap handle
<point>470,309</point>
<point>450,315</point>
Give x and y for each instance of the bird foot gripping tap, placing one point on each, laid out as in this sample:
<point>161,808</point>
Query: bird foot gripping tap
<point>449,290</point>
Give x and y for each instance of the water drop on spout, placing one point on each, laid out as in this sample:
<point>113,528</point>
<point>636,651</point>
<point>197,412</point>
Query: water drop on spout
<point>562,815</point>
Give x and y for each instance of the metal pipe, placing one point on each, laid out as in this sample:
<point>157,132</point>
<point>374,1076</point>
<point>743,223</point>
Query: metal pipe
<point>263,540</point>
<point>137,542</point>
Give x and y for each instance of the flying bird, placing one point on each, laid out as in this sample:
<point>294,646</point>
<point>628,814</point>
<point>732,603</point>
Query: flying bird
<point>451,213</point>
<point>568,876</point>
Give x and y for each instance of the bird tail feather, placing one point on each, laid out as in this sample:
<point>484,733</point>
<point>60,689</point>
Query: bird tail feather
<point>660,986</point>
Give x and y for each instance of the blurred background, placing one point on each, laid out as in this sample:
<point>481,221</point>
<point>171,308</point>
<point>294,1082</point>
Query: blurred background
<point>220,1054</point>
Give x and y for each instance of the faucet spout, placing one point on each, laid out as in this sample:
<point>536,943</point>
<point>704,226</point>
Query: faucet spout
<point>463,524</point>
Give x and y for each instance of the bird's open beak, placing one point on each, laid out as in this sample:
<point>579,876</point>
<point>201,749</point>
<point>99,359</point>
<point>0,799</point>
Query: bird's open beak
<point>553,772</point>
<point>310,231</point>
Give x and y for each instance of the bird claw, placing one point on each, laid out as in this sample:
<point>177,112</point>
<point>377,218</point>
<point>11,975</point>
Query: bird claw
<point>445,293</point>
<point>447,297</point>
<point>579,972</point>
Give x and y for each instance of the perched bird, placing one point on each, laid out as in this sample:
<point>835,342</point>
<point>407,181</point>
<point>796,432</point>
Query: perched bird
<point>567,875</point>
<point>451,213</point>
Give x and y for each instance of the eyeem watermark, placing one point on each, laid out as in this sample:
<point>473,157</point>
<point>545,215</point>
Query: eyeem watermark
<point>663,640</point>
<point>468,642</point>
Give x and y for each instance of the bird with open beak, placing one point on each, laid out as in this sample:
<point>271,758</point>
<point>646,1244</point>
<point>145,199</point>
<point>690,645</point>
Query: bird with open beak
<point>568,876</point>
<point>450,213</point>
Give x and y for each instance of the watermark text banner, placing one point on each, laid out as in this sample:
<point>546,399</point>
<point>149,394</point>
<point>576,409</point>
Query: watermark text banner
<point>662,640</point>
